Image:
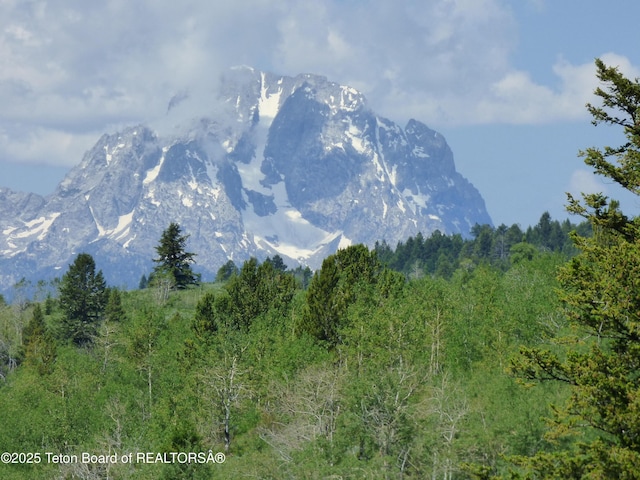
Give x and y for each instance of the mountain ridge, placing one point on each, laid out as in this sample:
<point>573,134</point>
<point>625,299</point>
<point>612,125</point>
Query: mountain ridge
<point>295,166</point>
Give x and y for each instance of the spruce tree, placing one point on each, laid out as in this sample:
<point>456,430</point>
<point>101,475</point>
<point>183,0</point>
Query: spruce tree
<point>336,286</point>
<point>173,259</point>
<point>226,271</point>
<point>38,346</point>
<point>600,290</point>
<point>143,283</point>
<point>114,311</point>
<point>83,296</point>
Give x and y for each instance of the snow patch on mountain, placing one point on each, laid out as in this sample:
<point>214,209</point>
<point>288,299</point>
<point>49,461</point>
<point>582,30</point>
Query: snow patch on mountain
<point>269,103</point>
<point>286,231</point>
<point>40,226</point>
<point>155,171</point>
<point>123,227</point>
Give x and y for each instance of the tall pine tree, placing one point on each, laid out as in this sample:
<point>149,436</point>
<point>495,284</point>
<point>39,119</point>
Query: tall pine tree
<point>173,259</point>
<point>601,294</point>
<point>83,296</point>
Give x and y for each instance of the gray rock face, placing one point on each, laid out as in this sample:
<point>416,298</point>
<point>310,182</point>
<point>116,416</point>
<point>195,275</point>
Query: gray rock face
<point>294,166</point>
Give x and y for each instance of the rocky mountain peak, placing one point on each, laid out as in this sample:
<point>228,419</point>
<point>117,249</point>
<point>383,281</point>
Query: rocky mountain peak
<point>295,166</point>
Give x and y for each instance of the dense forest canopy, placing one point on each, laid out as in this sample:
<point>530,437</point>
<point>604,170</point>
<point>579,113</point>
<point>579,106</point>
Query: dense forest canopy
<point>382,361</point>
<point>503,246</point>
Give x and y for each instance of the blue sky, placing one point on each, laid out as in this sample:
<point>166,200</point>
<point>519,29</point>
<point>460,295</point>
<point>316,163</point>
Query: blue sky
<point>504,81</point>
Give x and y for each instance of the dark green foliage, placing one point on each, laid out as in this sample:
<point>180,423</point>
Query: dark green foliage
<point>226,271</point>
<point>49,304</point>
<point>36,327</point>
<point>173,259</point>
<point>441,255</point>
<point>303,276</point>
<point>83,296</point>
<point>323,319</point>
<point>600,359</point>
<point>334,287</point>
<point>620,101</point>
<point>277,262</point>
<point>184,438</point>
<point>483,241</point>
<point>205,322</point>
<point>38,345</point>
<point>256,290</point>
<point>114,311</point>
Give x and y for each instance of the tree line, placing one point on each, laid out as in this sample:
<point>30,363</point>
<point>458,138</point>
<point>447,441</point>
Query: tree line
<point>364,370</point>
<point>441,255</point>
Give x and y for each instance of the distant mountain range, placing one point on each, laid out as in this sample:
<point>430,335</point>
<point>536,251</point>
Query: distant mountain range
<point>292,166</point>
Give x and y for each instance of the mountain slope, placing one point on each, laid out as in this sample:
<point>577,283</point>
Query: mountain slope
<point>295,166</point>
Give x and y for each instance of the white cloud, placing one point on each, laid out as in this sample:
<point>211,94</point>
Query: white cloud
<point>72,70</point>
<point>584,181</point>
<point>517,99</point>
<point>46,146</point>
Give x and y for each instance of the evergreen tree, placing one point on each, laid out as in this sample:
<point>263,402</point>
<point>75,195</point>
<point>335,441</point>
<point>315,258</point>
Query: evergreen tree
<point>336,286</point>
<point>277,262</point>
<point>205,322</point>
<point>114,311</point>
<point>500,244</point>
<point>483,240</point>
<point>514,235</point>
<point>226,271</point>
<point>256,290</point>
<point>83,296</point>
<point>302,275</point>
<point>384,252</point>
<point>38,346</point>
<point>244,305</point>
<point>601,294</point>
<point>544,229</point>
<point>173,259</point>
<point>49,303</point>
<point>323,313</point>
<point>35,328</point>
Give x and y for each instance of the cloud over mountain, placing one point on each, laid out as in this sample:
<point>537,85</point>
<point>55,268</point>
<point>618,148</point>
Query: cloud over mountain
<point>70,70</point>
<point>295,166</point>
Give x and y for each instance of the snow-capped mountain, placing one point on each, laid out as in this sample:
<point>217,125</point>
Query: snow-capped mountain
<point>294,166</point>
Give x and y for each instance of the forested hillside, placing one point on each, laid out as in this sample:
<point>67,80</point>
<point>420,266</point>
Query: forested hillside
<point>510,355</point>
<point>364,373</point>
